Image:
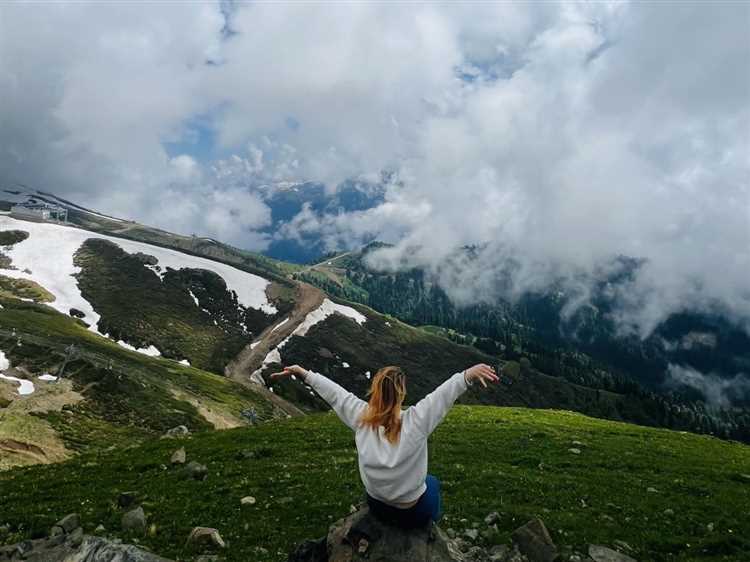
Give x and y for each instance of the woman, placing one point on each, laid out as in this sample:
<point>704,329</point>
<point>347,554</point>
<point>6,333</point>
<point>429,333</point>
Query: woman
<point>391,443</point>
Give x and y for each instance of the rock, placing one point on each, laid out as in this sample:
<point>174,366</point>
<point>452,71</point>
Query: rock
<point>471,534</point>
<point>490,533</point>
<point>603,554</point>
<point>710,527</point>
<point>574,450</point>
<point>499,553</point>
<point>100,530</point>
<point>205,537</point>
<point>451,533</point>
<point>622,545</point>
<point>534,541</point>
<point>577,443</point>
<point>179,431</point>
<point>669,512</point>
<point>127,499</point>
<point>492,518</point>
<point>247,500</point>
<point>384,543</point>
<point>134,521</point>
<point>87,549</point>
<point>475,554</point>
<point>745,477</point>
<point>75,538</point>
<point>652,490</point>
<point>69,523</point>
<point>196,470</point>
<point>179,456</point>
<point>245,454</point>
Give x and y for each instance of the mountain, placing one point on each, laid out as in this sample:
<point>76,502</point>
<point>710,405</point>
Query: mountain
<point>583,348</point>
<point>122,344</point>
<point>150,330</point>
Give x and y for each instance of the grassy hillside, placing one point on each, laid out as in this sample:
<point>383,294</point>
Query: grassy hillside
<point>108,395</point>
<point>187,314</point>
<point>428,359</point>
<point>303,473</point>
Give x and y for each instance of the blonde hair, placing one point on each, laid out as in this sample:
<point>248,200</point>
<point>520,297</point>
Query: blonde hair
<point>386,393</point>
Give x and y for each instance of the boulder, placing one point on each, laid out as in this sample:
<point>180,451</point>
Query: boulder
<point>603,554</point>
<point>77,548</point>
<point>179,431</point>
<point>492,518</point>
<point>248,500</point>
<point>534,541</point>
<point>126,499</point>
<point>135,521</point>
<point>361,536</point>
<point>196,470</point>
<point>69,523</point>
<point>179,456</point>
<point>205,537</point>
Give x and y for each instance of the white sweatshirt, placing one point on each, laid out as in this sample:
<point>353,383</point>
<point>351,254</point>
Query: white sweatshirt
<point>393,473</point>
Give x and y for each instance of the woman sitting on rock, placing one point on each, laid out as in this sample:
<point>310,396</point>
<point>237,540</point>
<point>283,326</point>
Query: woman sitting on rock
<point>392,443</point>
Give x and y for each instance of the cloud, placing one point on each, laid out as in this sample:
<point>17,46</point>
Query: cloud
<point>554,137</point>
<point>718,392</point>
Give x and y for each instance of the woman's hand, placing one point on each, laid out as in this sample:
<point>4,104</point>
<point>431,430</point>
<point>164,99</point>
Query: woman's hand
<point>291,370</point>
<point>481,373</point>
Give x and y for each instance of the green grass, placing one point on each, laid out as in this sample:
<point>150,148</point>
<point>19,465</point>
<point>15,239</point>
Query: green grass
<point>128,396</point>
<point>303,473</point>
<point>24,289</point>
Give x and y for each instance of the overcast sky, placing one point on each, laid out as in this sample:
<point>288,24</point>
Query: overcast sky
<point>559,134</point>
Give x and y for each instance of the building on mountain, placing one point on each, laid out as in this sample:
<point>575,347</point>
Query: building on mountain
<point>42,211</point>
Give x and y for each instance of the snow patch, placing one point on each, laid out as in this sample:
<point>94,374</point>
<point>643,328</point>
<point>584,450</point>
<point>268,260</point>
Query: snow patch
<point>24,386</point>
<point>195,299</point>
<point>367,375</point>
<point>151,350</point>
<point>327,308</point>
<point>184,362</point>
<point>48,254</point>
<point>280,324</point>
<point>345,365</point>
<point>47,377</point>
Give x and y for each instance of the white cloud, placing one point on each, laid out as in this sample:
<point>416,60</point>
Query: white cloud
<point>586,130</point>
<point>718,392</point>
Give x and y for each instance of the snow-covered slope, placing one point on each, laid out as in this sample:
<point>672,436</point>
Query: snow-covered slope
<point>46,257</point>
<point>326,309</point>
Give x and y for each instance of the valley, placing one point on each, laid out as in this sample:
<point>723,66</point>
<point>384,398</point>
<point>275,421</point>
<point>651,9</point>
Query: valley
<point>125,342</point>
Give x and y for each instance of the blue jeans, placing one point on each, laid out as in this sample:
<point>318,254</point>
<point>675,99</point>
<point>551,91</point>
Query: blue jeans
<point>429,507</point>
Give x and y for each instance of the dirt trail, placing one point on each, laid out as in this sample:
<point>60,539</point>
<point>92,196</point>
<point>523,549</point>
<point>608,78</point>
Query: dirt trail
<point>250,359</point>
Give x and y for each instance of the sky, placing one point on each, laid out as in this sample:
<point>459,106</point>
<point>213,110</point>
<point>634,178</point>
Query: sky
<point>556,135</point>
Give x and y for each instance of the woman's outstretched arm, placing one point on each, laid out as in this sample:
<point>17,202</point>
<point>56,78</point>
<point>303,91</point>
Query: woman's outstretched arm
<point>431,410</point>
<point>346,405</point>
